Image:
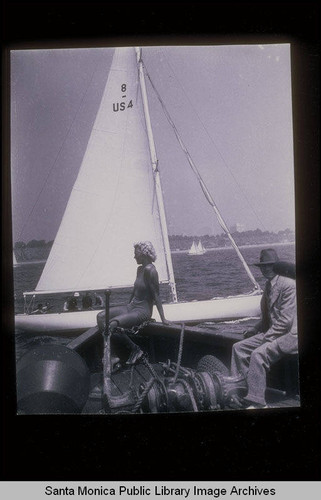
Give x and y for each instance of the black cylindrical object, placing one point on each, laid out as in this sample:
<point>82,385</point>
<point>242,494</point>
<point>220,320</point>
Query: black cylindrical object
<point>52,379</point>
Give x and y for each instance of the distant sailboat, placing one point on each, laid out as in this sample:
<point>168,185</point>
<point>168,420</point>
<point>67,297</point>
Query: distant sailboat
<point>117,200</point>
<point>14,260</point>
<point>201,250</point>
<point>196,249</point>
<point>193,249</point>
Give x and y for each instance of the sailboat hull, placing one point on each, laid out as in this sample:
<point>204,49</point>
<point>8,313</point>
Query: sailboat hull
<point>220,309</point>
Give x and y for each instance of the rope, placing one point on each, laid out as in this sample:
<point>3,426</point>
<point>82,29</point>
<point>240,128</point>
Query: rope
<point>180,352</point>
<point>143,395</point>
<point>157,378</point>
<point>131,385</point>
<point>190,393</point>
<point>149,385</point>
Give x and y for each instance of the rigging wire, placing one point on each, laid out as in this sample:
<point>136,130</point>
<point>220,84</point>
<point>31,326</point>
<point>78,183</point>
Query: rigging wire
<point>59,152</point>
<point>215,145</point>
<point>203,186</point>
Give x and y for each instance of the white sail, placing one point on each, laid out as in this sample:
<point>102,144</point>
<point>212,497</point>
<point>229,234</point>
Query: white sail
<point>193,249</point>
<point>14,260</point>
<point>200,248</point>
<point>112,204</point>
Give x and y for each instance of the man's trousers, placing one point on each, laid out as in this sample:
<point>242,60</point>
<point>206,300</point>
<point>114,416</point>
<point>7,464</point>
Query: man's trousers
<point>253,358</point>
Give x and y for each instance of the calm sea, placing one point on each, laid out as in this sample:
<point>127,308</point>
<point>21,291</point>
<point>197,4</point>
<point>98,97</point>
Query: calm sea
<point>216,273</point>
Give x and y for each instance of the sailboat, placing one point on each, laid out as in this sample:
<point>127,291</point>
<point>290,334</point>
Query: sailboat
<point>200,249</point>
<point>196,249</point>
<point>193,249</point>
<point>116,201</point>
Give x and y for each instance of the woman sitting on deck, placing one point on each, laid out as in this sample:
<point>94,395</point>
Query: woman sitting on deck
<point>140,307</point>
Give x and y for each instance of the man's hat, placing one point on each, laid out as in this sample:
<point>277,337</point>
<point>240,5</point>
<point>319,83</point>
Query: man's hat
<point>267,256</point>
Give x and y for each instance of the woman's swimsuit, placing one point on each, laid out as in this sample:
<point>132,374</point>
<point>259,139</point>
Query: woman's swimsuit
<point>138,310</point>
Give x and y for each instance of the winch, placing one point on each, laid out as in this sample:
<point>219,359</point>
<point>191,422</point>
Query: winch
<point>169,388</point>
<point>188,391</point>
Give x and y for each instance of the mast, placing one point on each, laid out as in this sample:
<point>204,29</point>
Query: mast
<point>158,188</point>
<point>206,191</point>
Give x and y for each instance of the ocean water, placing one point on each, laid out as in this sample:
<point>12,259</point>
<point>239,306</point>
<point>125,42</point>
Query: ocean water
<point>217,273</point>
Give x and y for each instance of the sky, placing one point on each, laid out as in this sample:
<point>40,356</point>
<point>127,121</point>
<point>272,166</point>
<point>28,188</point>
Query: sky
<point>230,104</point>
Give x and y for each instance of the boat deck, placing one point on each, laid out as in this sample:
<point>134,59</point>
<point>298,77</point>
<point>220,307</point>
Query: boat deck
<point>162,343</point>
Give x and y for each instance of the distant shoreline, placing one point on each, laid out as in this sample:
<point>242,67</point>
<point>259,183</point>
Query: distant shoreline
<point>258,245</point>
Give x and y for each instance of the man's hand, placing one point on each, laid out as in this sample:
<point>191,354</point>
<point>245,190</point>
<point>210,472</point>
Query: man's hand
<point>249,332</point>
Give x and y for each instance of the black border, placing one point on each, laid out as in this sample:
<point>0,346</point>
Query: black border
<point>280,444</point>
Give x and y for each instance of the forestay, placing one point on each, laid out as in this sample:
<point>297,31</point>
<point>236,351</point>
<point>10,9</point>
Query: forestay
<point>113,202</point>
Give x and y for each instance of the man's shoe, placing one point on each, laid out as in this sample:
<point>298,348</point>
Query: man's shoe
<point>236,402</point>
<point>256,407</point>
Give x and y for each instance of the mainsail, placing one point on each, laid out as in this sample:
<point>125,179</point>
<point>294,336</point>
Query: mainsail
<point>113,202</point>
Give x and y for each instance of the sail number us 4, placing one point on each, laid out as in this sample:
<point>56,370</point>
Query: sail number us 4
<point>122,105</point>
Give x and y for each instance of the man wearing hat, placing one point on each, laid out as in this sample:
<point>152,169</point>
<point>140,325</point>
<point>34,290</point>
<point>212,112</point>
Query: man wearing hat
<point>272,337</point>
